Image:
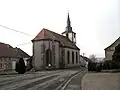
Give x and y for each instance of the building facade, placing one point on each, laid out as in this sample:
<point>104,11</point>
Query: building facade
<point>110,49</point>
<point>55,50</point>
<point>9,56</point>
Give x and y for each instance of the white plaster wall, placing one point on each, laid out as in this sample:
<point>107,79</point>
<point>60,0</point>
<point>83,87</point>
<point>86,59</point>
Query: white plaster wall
<point>82,61</point>
<point>109,52</point>
<point>14,60</point>
<point>66,61</point>
<point>38,62</point>
<point>108,55</point>
<point>37,54</point>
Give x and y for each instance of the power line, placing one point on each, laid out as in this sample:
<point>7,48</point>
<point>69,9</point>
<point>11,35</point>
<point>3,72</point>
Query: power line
<point>16,30</point>
<point>23,44</point>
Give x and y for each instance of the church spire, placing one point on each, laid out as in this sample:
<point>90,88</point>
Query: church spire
<point>68,32</point>
<point>68,21</point>
<point>68,28</point>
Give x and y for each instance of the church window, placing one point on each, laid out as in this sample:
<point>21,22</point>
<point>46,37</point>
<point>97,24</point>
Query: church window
<point>74,35</point>
<point>68,56</point>
<point>42,48</point>
<point>72,57</point>
<point>76,57</point>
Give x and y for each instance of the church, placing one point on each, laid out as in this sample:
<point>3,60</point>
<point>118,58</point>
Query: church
<point>55,50</point>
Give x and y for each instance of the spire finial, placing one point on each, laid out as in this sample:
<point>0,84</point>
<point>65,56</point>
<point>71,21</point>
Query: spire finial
<point>68,11</point>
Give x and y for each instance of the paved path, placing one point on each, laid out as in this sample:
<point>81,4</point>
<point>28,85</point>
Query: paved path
<point>101,81</point>
<point>75,82</point>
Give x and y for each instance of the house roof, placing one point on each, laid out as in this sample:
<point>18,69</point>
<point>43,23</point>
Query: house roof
<point>21,53</point>
<point>7,51</point>
<point>112,43</point>
<point>47,34</point>
<point>85,58</point>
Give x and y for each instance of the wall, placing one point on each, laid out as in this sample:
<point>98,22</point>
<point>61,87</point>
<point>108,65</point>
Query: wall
<point>66,59</point>
<point>109,51</point>
<point>7,63</point>
<point>82,61</point>
<point>108,54</point>
<point>39,54</point>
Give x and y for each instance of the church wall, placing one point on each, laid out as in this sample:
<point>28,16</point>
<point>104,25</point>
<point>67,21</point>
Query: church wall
<point>40,47</point>
<point>37,55</point>
<point>66,58</point>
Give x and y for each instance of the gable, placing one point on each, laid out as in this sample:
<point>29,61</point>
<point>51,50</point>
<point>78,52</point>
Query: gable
<point>113,45</point>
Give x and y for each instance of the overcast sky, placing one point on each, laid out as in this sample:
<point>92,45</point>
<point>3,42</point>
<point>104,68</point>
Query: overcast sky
<point>96,22</point>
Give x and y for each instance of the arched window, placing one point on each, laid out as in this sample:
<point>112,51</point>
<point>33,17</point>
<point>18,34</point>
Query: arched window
<point>72,57</point>
<point>68,56</point>
<point>76,57</point>
<point>48,57</point>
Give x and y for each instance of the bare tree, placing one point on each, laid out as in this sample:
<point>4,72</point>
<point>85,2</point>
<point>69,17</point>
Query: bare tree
<point>93,57</point>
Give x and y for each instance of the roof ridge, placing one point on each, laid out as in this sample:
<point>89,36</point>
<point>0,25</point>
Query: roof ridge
<point>53,32</point>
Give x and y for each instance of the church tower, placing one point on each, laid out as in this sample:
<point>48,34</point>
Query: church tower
<point>68,32</point>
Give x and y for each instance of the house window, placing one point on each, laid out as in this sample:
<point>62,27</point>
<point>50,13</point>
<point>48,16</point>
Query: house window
<point>68,56</point>
<point>72,57</point>
<point>76,57</point>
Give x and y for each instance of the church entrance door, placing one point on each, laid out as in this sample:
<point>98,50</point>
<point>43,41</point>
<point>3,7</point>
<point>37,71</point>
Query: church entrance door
<point>48,57</point>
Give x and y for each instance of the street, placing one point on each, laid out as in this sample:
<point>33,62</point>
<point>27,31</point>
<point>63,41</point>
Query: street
<point>42,80</point>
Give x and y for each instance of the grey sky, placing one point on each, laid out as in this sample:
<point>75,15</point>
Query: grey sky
<point>96,22</point>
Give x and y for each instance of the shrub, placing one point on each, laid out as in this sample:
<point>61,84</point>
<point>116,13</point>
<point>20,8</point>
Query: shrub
<point>20,66</point>
<point>91,66</point>
<point>98,67</point>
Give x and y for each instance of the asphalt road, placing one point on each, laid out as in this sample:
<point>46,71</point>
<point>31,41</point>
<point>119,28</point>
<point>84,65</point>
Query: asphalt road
<point>44,80</point>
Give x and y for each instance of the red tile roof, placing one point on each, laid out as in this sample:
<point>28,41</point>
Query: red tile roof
<point>21,53</point>
<point>47,34</point>
<point>7,51</point>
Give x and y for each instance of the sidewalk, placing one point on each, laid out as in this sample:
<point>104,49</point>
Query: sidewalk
<point>101,81</point>
<point>7,72</point>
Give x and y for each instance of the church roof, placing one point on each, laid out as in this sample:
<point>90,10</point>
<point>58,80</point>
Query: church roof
<point>46,34</point>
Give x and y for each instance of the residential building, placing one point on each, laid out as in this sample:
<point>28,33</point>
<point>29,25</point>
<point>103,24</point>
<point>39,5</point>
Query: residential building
<point>84,61</point>
<point>9,57</point>
<point>22,54</point>
<point>110,49</point>
<point>55,50</point>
